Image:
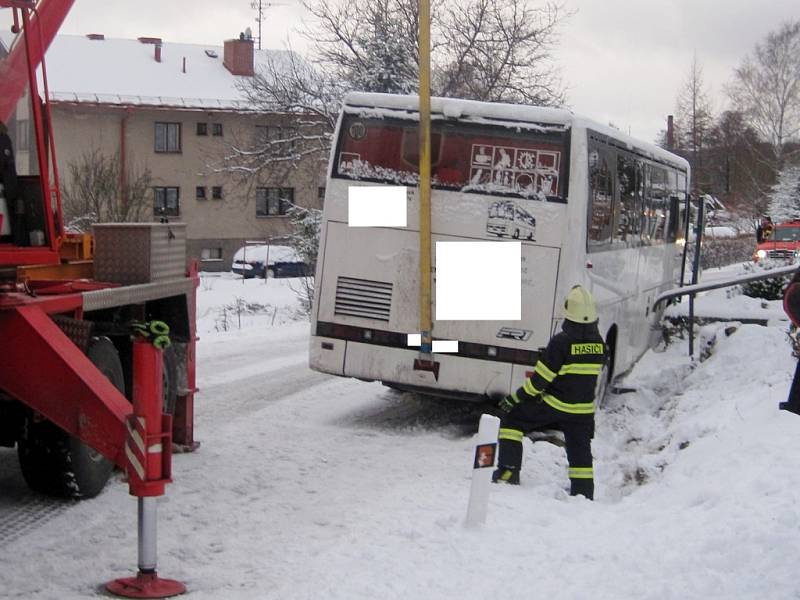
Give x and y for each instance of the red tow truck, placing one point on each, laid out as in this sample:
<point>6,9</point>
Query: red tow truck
<point>779,242</point>
<point>71,304</point>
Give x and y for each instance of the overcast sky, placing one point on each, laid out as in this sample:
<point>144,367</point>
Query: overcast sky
<point>623,60</point>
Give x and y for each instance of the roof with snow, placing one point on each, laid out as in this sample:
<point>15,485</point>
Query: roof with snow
<point>120,71</point>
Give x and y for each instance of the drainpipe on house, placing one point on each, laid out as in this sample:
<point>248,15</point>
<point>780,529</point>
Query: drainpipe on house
<point>123,169</point>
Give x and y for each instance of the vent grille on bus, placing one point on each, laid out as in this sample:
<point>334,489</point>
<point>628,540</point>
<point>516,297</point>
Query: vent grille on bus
<point>363,298</point>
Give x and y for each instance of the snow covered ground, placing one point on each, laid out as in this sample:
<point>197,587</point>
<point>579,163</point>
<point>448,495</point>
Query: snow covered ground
<point>308,486</point>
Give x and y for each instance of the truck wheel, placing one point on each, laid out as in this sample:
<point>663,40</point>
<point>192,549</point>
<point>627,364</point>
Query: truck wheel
<point>55,463</point>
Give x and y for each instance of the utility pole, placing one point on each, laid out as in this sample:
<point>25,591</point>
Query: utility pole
<point>425,321</point>
<point>260,7</point>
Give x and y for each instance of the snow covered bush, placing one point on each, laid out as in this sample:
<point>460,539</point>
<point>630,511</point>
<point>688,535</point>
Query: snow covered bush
<point>722,251</point>
<point>768,289</point>
<point>305,240</point>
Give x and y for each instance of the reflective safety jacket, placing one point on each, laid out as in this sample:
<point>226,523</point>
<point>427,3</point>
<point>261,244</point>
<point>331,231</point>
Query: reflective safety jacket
<point>566,372</point>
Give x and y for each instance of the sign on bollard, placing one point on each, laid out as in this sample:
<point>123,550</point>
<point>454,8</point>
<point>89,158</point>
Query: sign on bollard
<point>482,465</point>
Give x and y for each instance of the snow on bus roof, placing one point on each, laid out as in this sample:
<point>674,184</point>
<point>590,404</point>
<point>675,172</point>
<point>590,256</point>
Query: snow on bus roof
<point>497,113</point>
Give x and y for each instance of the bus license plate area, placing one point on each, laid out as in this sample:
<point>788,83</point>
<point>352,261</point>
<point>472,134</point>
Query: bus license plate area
<point>466,375</point>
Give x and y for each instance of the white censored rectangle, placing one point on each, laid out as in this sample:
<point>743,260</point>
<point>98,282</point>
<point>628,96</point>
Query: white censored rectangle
<point>377,206</point>
<point>445,345</point>
<point>478,281</point>
<point>414,339</point>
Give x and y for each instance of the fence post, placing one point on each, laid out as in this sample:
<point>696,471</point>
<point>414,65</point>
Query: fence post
<point>696,268</point>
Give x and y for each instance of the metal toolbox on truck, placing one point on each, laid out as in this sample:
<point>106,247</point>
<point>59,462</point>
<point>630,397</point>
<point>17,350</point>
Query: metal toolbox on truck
<point>130,253</point>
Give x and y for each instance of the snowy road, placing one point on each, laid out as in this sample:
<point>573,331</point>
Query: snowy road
<point>311,487</point>
<point>261,369</point>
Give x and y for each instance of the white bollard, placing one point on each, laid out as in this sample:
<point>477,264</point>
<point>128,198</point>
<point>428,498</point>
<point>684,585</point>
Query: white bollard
<point>482,468</point>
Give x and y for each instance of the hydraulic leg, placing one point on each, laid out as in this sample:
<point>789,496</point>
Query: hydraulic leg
<point>148,451</point>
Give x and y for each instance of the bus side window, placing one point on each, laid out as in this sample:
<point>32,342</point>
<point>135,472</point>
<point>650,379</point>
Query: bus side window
<point>644,205</point>
<point>681,234</point>
<point>658,205</point>
<point>627,223</point>
<point>674,207</point>
<point>601,198</point>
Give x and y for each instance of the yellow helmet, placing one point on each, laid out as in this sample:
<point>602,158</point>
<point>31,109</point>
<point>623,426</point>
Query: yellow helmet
<point>579,306</point>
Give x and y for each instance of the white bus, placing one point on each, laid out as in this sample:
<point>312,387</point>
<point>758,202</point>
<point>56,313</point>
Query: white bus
<point>608,210</point>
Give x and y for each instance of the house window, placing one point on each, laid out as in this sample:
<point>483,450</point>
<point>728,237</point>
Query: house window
<point>281,139</point>
<point>165,201</point>
<point>210,254</point>
<point>216,129</point>
<point>216,192</point>
<point>168,137</point>
<point>200,192</point>
<point>273,201</point>
<point>202,129</point>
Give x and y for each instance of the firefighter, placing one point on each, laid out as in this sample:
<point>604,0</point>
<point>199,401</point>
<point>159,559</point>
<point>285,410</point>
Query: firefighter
<point>791,305</point>
<point>764,229</point>
<point>559,395</point>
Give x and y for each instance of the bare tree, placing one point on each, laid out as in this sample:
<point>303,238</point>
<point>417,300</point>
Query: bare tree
<point>99,192</point>
<point>766,89</point>
<point>372,45</point>
<point>495,50</point>
<point>735,164</point>
<point>694,120</point>
<point>500,51</point>
<point>309,98</point>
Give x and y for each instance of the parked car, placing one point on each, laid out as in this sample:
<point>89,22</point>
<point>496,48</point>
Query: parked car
<point>268,261</point>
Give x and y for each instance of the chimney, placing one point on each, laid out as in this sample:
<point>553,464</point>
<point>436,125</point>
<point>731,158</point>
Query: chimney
<point>238,56</point>
<point>184,64</point>
<point>670,133</point>
<point>158,52</point>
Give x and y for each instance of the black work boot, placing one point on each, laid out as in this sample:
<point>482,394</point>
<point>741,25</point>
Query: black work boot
<point>582,487</point>
<point>789,406</point>
<point>506,475</point>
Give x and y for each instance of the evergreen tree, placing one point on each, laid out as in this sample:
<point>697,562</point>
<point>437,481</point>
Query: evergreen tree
<point>784,200</point>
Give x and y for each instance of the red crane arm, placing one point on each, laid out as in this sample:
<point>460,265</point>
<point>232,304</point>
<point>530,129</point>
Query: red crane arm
<point>47,19</point>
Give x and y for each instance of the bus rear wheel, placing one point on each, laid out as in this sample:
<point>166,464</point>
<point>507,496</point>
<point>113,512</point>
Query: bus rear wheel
<point>602,386</point>
<point>58,464</point>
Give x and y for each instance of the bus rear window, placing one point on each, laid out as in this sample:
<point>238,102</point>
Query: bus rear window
<point>464,158</point>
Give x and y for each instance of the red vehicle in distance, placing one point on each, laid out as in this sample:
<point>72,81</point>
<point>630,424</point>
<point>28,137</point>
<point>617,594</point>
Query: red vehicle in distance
<point>779,242</point>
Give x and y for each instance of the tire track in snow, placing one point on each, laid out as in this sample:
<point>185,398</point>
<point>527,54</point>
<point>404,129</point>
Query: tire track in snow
<point>21,510</point>
<point>236,380</point>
